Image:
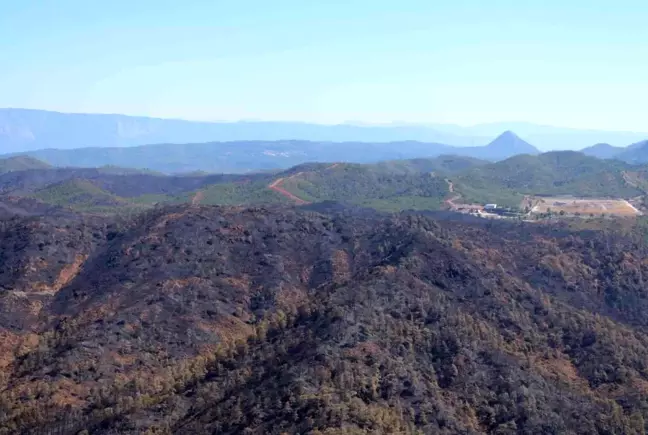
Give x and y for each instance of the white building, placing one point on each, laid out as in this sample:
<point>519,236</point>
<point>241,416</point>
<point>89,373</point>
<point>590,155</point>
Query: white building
<point>490,206</point>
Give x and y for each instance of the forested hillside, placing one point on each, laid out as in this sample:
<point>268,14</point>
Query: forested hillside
<point>392,185</point>
<point>117,190</point>
<point>370,185</point>
<point>425,183</point>
<point>198,319</point>
<point>80,194</point>
<point>396,185</point>
<point>636,153</point>
<point>555,173</point>
<point>21,163</point>
<point>445,164</point>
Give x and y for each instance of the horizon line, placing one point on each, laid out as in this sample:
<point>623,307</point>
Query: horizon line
<point>351,123</point>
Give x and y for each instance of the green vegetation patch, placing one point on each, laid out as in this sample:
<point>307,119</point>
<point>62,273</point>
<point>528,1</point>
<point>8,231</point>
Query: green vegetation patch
<point>235,194</point>
<point>549,174</point>
<point>77,192</point>
<point>21,163</point>
<point>83,195</point>
<point>369,185</point>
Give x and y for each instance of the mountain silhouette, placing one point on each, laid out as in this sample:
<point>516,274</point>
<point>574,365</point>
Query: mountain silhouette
<point>635,153</point>
<point>602,151</point>
<point>507,144</point>
<point>29,129</point>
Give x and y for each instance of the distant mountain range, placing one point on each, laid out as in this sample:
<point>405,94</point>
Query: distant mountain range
<point>636,153</point>
<point>27,130</point>
<point>248,156</point>
<point>548,138</point>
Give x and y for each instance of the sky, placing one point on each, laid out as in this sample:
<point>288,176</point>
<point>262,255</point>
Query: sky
<point>581,64</point>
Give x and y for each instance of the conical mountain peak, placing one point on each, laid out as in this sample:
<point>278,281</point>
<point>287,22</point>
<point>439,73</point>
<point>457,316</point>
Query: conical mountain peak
<point>509,141</point>
<point>508,134</point>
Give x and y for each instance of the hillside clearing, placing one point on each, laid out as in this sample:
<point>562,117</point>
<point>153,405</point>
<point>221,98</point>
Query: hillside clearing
<point>589,206</point>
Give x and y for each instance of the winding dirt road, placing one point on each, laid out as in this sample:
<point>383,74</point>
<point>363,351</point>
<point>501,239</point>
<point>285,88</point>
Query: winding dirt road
<point>451,201</point>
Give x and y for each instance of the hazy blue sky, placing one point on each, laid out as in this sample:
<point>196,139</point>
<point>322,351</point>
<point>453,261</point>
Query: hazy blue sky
<point>570,63</point>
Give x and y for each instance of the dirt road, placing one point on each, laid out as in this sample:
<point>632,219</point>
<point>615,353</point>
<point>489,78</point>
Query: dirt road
<point>197,197</point>
<point>277,186</point>
<point>451,201</point>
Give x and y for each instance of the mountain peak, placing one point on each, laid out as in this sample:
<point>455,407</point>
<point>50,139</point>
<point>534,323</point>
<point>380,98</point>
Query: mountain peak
<point>509,141</point>
<point>602,151</point>
<point>509,134</point>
